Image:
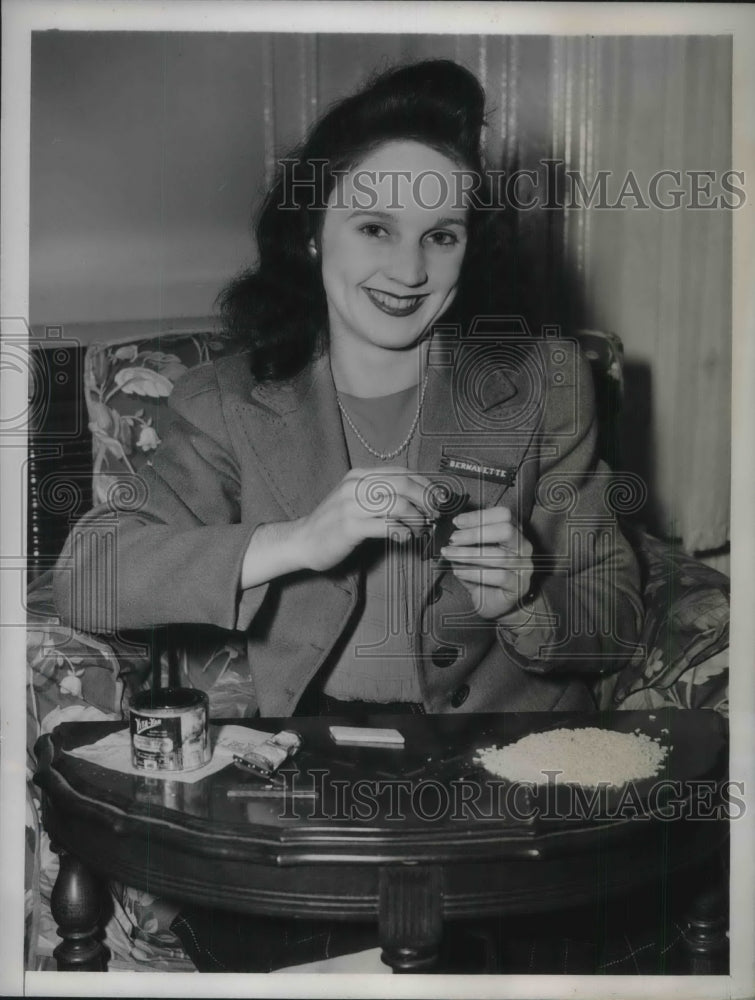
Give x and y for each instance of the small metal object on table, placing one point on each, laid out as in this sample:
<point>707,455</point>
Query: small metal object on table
<point>430,837</point>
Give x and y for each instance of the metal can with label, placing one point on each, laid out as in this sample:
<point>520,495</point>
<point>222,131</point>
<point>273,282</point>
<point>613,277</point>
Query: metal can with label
<point>169,730</point>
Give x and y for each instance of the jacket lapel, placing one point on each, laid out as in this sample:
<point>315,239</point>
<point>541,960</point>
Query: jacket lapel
<point>474,430</point>
<point>295,432</point>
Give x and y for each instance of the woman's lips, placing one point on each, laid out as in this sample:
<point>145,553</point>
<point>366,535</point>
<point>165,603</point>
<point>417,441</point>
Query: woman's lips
<point>395,305</point>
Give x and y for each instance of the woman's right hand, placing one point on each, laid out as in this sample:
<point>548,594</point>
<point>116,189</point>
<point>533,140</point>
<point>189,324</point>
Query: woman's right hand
<point>367,503</point>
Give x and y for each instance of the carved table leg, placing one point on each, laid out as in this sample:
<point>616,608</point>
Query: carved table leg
<point>410,916</point>
<point>75,906</point>
<point>704,933</point>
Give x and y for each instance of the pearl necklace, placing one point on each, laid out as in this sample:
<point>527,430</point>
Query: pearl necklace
<point>383,455</point>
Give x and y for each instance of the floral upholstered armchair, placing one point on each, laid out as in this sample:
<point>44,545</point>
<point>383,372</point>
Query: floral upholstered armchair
<point>682,660</point>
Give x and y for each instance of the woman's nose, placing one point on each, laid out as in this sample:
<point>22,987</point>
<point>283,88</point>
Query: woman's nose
<point>407,265</point>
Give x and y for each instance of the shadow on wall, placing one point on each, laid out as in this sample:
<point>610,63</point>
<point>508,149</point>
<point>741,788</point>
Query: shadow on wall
<point>636,436</point>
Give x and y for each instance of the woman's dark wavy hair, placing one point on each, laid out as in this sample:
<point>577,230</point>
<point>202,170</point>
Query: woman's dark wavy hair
<point>279,308</point>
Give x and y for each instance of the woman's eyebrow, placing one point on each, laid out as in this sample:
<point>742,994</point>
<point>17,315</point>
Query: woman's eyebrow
<point>375,213</point>
<point>450,220</point>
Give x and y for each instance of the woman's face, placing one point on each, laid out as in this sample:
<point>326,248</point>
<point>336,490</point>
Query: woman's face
<point>392,244</point>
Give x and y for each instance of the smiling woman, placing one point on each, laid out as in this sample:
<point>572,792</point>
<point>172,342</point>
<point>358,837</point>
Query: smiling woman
<point>346,179</point>
<point>395,496</point>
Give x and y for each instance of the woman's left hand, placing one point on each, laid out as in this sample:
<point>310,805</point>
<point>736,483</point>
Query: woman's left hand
<point>491,557</point>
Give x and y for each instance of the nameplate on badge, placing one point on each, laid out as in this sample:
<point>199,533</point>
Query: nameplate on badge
<point>477,470</point>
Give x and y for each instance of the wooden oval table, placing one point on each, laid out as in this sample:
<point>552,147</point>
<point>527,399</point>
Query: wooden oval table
<point>404,837</point>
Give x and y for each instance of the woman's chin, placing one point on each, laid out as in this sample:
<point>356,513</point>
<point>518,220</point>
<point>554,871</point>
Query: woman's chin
<point>392,341</point>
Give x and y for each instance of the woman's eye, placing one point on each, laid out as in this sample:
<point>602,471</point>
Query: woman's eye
<point>442,238</point>
<point>374,230</point>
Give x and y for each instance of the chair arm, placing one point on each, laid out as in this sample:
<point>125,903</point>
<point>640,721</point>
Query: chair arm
<point>682,660</point>
<point>69,672</point>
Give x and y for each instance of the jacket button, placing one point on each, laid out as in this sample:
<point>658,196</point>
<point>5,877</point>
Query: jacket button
<point>444,656</point>
<point>460,695</point>
<point>436,592</point>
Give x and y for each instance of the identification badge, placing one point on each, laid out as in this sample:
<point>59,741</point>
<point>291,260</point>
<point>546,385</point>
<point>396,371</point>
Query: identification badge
<point>474,469</point>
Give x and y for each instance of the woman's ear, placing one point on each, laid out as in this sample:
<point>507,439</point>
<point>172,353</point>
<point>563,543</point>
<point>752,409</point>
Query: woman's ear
<point>312,248</point>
